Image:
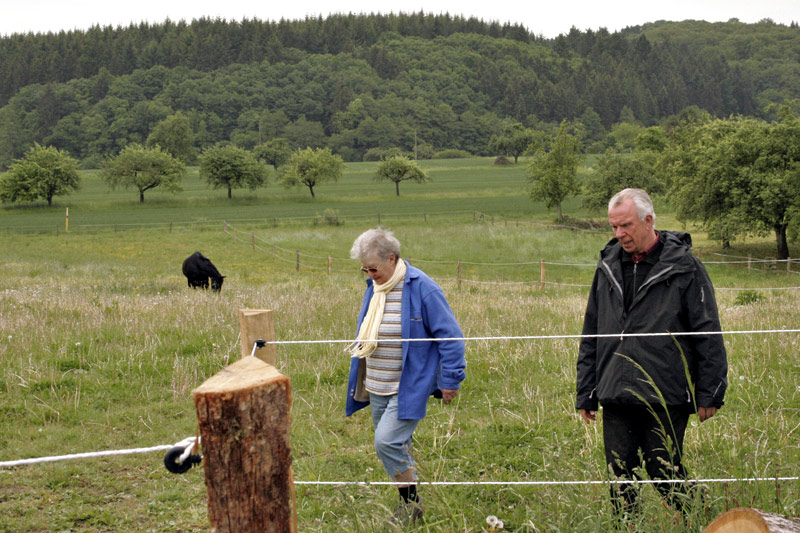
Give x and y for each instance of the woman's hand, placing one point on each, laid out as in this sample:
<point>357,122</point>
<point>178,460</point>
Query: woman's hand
<point>448,395</point>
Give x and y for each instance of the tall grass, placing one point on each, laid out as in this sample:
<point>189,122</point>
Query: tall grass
<point>102,343</point>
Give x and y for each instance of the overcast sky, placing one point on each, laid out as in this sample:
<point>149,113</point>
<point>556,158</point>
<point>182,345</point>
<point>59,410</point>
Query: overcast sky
<point>548,18</point>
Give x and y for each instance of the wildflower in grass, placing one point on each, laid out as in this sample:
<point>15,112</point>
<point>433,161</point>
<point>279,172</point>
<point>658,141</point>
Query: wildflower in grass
<point>494,523</point>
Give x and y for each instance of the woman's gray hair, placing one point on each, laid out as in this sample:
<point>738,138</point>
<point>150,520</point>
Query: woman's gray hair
<point>640,198</point>
<point>377,242</point>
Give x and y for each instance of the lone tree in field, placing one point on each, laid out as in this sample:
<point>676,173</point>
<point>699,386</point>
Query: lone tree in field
<point>400,168</point>
<point>144,169</point>
<point>514,140</point>
<point>312,166</point>
<point>274,152</point>
<point>230,167</point>
<point>555,173</point>
<point>44,172</point>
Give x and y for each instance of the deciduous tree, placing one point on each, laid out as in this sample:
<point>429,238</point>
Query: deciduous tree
<point>44,172</point>
<point>738,176</point>
<point>175,136</point>
<point>230,167</point>
<point>311,167</point>
<point>514,140</point>
<point>400,168</point>
<point>554,174</point>
<point>274,152</point>
<point>143,169</point>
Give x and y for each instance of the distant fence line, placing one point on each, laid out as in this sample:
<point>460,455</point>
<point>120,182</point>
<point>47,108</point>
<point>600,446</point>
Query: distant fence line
<point>316,220</point>
<point>312,262</point>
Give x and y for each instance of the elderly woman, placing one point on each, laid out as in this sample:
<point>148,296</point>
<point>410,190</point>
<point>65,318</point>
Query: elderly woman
<point>396,377</point>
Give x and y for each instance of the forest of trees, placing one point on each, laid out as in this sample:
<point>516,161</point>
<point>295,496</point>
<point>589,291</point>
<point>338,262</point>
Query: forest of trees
<point>355,83</point>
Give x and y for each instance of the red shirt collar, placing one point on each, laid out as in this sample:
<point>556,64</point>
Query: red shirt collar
<point>638,257</point>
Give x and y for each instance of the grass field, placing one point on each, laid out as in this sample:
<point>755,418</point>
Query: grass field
<point>102,343</point>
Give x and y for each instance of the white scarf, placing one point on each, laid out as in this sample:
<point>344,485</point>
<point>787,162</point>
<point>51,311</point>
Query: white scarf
<point>367,338</point>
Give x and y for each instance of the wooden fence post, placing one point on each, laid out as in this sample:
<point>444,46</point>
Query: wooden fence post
<point>253,241</point>
<point>459,273</point>
<point>243,416</point>
<point>297,255</point>
<point>788,265</point>
<point>330,260</point>
<point>749,260</point>
<point>257,324</point>
<point>541,274</point>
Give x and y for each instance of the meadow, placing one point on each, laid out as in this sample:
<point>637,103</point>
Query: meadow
<point>102,343</point>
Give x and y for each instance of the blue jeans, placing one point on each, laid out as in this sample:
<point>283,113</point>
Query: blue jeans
<point>392,436</point>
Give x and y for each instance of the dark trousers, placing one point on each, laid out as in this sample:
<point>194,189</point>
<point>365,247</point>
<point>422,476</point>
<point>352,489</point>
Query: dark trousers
<point>633,434</point>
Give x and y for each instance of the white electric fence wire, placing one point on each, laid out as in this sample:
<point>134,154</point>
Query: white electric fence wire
<point>550,337</point>
<point>190,442</point>
<point>556,482</point>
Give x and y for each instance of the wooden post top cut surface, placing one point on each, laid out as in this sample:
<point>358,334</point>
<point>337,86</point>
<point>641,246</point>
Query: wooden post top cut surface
<point>749,520</point>
<point>245,373</point>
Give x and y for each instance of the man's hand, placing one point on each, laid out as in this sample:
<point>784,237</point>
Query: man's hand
<point>588,416</point>
<point>448,395</point>
<point>706,412</point>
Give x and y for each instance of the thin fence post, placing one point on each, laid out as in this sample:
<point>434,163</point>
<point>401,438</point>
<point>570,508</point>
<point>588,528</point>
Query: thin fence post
<point>297,253</point>
<point>788,265</point>
<point>459,273</point>
<point>225,226</point>
<point>56,230</point>
<point>541,274</point>
<point>379,219</point>
<point>274,222</point>
<point>170,227</point>
<point>253,241</point>
<point>749,261</point>
<point>426,217</point>
<point>330,260</point>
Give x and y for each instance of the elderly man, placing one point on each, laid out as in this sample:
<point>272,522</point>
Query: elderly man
<point>648,281</point>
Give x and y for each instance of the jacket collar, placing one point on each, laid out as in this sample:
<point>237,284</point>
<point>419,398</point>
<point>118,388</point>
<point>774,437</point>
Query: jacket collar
<point>675,253</point>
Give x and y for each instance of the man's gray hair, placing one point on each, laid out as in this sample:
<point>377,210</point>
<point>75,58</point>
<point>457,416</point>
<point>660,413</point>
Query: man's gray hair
<point>640,198</point>
<point>375,242</point>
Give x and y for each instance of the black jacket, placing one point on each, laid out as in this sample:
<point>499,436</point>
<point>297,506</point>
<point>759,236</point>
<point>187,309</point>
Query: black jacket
<point>676,297</point>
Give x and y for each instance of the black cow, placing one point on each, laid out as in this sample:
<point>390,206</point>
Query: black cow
<point>197,269</point>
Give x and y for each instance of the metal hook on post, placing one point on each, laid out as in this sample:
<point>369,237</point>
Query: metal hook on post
<point>260,343</point>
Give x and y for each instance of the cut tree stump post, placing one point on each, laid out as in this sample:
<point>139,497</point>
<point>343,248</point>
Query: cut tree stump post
<point>243,416</point>
<point>746,520</point>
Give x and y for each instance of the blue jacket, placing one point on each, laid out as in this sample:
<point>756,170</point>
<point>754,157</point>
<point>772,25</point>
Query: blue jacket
<point>427,366</point>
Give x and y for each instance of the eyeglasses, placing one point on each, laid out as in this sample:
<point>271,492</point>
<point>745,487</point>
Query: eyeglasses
<point>371,270</point>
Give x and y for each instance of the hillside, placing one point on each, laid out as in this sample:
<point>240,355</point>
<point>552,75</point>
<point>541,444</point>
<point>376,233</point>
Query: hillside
<point>355,82</point>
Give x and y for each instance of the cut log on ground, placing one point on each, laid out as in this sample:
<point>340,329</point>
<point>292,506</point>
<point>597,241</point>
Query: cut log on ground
<point>746,520</point>
<point>243,413</point>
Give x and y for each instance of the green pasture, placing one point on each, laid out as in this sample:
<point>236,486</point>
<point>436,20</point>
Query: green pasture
<point>102,343</point>
<point>473,184</point>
